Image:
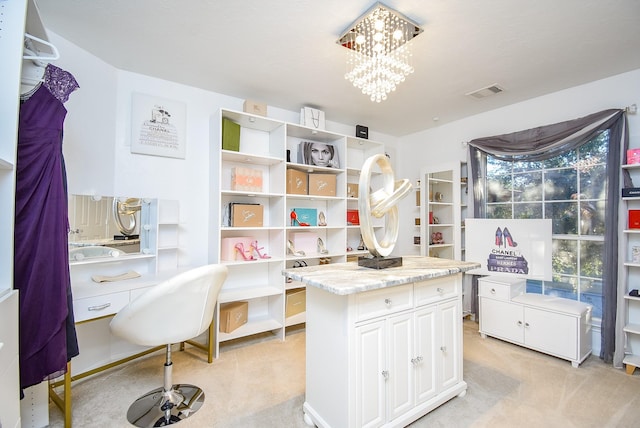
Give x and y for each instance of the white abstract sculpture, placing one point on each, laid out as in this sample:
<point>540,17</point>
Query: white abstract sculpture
<point>380,203</point>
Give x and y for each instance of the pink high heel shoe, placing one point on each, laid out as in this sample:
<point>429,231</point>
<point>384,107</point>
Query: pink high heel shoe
<point>254,247</point>
<point>240,249</point>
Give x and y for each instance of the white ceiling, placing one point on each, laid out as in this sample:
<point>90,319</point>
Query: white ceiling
<point>284,53</point>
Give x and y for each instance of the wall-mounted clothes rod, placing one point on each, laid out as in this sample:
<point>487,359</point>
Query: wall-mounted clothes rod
<point>31,52</point>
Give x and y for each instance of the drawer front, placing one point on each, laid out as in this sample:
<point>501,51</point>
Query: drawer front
<point>497,291</point>
<point>436,289</point>
<point>376,303</point>
<point>99,306</point>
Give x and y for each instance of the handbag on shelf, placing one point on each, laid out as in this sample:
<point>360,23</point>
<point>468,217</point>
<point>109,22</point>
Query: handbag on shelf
<point>312,118</point>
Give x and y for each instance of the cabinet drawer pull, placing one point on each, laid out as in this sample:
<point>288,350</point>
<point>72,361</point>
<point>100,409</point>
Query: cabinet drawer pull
<point>526,325</point>
<point>416,360</point>
<point>385,374</point>
<point>440,290</point>
<point>519,323</point>
<point>99,307</point>
<point>443,348</point>
<point>387,302</point>
<point>493,291</point>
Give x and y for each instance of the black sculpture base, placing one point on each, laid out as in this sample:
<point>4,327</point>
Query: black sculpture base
<point>380,262</point>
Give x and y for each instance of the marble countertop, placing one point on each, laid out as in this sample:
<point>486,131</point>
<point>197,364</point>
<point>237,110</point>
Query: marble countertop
<point>349,278</point>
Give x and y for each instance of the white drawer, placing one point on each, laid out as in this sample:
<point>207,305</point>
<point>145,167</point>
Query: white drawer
<point>436,289</point>
<point>504,290</point>
<point>99,306</point>
<point>385,301</point>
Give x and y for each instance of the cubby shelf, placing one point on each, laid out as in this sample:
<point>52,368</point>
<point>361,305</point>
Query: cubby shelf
<point>271,146</point>
<point>631,263</point>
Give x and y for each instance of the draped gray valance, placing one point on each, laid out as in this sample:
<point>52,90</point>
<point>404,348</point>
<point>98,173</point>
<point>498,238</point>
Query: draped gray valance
<point>546,142</point>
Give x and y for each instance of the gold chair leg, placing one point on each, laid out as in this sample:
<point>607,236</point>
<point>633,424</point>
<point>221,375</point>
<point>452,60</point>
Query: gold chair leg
<point>208,348</point>
<point>64,402</point>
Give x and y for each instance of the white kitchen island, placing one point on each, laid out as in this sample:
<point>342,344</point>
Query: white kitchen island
<point>383,347</point>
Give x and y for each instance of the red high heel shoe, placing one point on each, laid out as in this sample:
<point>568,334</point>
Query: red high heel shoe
<point>294,219</point>
<point>254,247</point>
<point>240,248</point>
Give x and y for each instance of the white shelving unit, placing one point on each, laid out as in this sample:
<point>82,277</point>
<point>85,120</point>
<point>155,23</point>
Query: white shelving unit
<point>12,26</point>
<point>632,304</point>
<point>264,144</point>
<point>418,218</point>
<point>440,211</point>
<point>465,212</point>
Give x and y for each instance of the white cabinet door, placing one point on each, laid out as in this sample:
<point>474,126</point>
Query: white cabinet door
<point>551,332</point>
<point>371,374</point>
<point>400,386</point>
<point>425,354</point>
<point>449,343</point>
<point>504,320</point>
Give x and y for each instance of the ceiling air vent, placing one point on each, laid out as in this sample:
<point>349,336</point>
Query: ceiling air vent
<point>485,92</point>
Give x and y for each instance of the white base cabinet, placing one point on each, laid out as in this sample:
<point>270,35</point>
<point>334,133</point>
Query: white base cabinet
<point>383,358</point>
<point>552,325</point>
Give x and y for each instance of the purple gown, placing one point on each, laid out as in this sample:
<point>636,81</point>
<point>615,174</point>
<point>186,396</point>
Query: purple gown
<point>41,261</point>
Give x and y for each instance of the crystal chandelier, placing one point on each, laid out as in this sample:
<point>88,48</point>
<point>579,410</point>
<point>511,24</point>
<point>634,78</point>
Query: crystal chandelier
<point>379,57</point>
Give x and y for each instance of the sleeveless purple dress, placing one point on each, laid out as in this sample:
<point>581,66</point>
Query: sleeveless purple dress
<point>41,262</point>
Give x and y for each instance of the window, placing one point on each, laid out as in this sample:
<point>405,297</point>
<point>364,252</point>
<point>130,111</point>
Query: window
<point>570,189</point>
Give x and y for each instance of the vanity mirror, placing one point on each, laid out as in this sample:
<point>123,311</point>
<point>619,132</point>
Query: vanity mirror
<point>107,226</point>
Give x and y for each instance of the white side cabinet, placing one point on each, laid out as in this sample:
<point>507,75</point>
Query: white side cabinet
<point>552,325</point>
<point>383,358</point>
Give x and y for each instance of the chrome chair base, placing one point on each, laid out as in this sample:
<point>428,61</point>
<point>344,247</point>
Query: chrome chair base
<point>160,408</point>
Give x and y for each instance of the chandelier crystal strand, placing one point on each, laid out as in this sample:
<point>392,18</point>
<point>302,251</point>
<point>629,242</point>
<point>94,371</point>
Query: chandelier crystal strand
<point>379,59</point>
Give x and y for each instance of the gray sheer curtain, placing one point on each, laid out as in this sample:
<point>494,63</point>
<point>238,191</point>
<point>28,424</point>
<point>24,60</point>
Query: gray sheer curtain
<point>546,142</point>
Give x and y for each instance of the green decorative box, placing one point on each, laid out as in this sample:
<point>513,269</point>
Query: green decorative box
<point>230,135</point>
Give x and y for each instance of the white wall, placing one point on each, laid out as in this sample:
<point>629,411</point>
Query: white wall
<point>444,143</point>
<point>89,130</point>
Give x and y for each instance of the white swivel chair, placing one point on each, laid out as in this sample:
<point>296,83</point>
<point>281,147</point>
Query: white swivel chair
<point>173,311</point>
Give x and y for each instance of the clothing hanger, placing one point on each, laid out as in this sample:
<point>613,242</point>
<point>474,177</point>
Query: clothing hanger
<point>31,52</point>
<point>34,63</point>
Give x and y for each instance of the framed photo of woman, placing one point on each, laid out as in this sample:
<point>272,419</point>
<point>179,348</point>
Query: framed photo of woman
<point>318,154</point>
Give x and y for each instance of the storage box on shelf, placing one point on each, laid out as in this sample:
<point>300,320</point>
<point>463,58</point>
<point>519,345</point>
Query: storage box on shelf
<point>631,274</point>
<point>273,150</point>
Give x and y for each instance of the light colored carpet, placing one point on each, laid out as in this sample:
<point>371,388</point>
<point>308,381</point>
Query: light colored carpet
<point>260,383</point>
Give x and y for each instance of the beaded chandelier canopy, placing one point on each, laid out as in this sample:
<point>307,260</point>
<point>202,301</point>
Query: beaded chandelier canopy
<point>380,56</point>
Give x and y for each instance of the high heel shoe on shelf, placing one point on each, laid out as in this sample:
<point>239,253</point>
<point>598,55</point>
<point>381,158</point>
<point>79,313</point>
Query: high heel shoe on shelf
<point>240,249</point>
<point>294,219</point>
<point>321,247</point>
<point>322,220</point>
<point>292,250</point>
<point>254,247</point>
